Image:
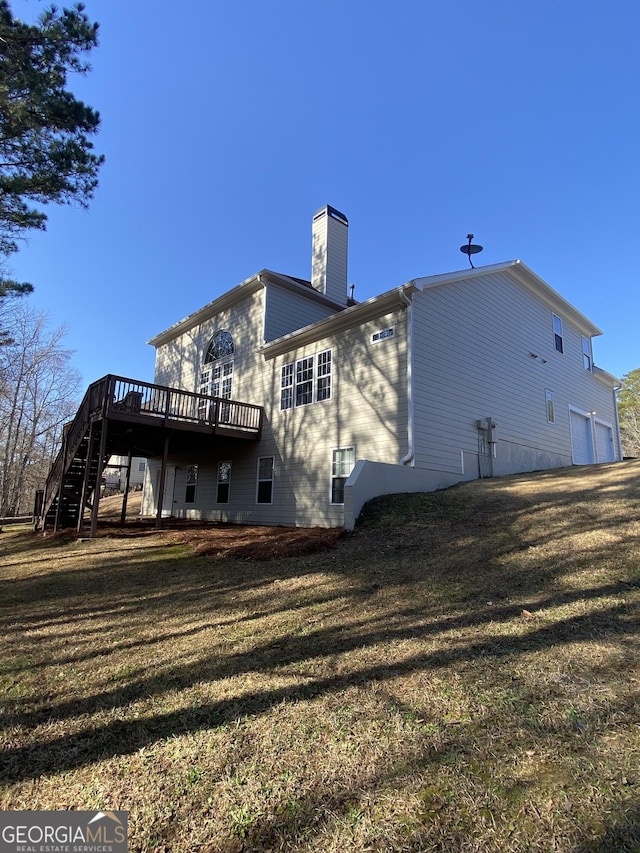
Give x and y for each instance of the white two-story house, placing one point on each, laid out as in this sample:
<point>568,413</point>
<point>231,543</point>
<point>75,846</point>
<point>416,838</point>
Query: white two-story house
<point>445,378</point>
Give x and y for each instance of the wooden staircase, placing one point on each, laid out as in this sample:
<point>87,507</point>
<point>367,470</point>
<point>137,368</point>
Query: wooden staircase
<point>118,415</point>
<point>75,469</point>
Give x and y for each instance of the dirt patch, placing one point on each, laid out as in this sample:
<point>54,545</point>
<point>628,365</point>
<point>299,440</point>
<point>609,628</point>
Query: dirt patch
<point>216,539</point>
<point>245,542</point>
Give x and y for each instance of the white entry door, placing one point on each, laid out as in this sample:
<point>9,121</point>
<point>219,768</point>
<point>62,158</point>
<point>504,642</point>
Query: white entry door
<point>169,485</point>
<point>581,438</point>
<point>604,442</point>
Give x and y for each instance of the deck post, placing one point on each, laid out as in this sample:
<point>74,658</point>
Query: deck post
<point>99,470</point>
<point>123,514</point>
<point>161,484</point>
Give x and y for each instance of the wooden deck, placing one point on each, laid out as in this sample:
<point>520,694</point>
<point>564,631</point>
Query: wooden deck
<point>118,398</point>
<point>120,416</point>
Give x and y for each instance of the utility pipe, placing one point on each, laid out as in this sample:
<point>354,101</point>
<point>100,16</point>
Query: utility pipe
<point>410,457</point>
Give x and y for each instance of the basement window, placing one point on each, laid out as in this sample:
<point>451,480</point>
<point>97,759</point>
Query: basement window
<point>224,482</point>
<point>265,480</point>
<point>192,481</point>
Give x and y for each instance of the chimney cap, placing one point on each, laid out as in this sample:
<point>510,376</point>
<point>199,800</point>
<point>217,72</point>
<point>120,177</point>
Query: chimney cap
<point>332,212</point>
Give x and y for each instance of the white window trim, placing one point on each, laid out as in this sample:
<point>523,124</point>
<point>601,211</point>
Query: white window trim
<point>548,398</point>
<point>332,478</point>
<point>315,376</point>
<point>383,335</point>
<point>188,484</point>
<point>587,353</point>
<point>556,334</point>
<point>218,481</point>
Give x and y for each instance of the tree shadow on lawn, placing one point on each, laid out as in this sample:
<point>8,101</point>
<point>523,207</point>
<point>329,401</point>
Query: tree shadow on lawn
<point>376,560</point>
<point>95,743</point>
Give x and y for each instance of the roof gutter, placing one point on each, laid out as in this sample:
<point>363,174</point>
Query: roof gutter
<point>410,457</point>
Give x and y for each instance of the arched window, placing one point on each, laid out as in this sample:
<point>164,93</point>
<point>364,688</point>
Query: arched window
<point>216,374</point>
<point>221,345</point>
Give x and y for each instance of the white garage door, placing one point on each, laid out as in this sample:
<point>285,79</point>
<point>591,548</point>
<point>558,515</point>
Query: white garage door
<point>581,439</point>
<point>604,443</point>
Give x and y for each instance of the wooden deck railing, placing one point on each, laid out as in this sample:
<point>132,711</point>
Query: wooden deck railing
<point>125,397</point>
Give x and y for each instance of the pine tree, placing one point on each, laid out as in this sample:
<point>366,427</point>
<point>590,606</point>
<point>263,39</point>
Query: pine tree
<point>46,152</point>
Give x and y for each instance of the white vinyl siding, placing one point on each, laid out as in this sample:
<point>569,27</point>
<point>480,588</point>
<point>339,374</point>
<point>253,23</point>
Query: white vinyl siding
<point>367,410</point>
<point>286,311</point>
<point>453,390</point>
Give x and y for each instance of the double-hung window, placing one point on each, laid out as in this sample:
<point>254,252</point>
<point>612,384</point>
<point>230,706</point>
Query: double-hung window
<point>304,381</point>
<point>264,492</point>
<point>587,359</point>
<point>286,386</point>
<point>558,337</point>
<point>307,380</point>
<point>192,482</point>
<point>224,482</point>
<point>324,376</point>
<point>342,462</point>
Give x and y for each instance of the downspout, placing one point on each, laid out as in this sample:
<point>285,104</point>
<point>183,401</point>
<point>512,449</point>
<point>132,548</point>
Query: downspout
<point>617,414</point>
<point>409,459</point>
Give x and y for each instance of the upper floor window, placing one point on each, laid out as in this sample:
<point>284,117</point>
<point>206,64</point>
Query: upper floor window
<point>304,381</point>
<point>587,360</point>
<point>323,391</point>
<point>383,334</point>
<point>221,345</point>
<point>308,380</point>
<point>557,333</point>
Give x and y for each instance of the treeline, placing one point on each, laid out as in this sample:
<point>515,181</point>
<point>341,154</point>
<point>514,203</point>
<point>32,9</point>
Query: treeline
<point>38,394</point>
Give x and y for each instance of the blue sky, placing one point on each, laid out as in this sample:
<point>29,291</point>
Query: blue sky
<point>227,123</point>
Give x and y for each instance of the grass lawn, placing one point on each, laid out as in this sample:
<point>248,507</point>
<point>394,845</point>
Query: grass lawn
<point>460,673</point>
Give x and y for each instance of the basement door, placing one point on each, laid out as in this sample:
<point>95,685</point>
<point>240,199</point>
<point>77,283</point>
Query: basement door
<point>169,486</point>
<point>581,438</point>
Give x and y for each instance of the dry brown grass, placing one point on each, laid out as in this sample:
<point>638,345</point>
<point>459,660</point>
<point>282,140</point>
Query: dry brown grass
<point>459,674</point>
